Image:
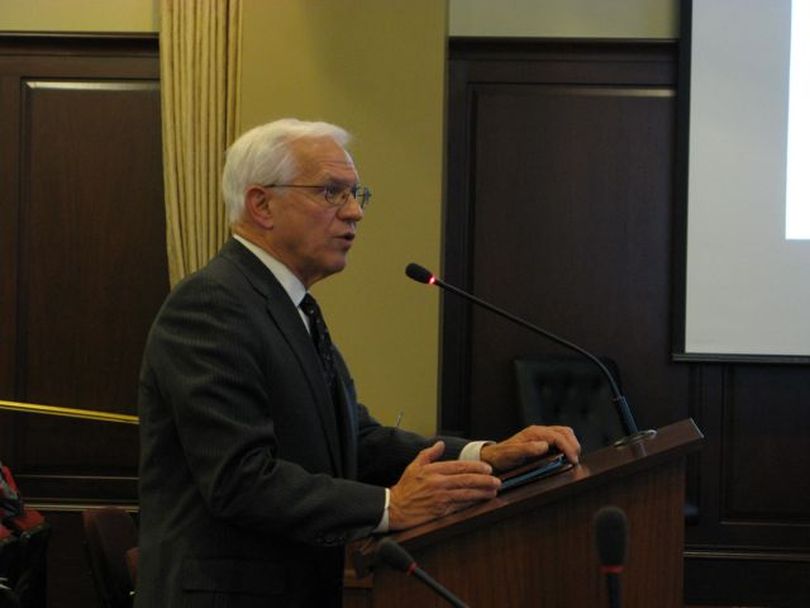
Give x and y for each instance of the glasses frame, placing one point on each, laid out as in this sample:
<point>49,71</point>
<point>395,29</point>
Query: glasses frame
<point>358,192</point>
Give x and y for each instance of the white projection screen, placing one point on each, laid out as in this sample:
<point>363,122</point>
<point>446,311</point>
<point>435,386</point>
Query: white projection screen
<point>746,143</point>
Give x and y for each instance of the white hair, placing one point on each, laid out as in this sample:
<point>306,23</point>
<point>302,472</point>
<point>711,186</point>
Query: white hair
<point>263,155</point>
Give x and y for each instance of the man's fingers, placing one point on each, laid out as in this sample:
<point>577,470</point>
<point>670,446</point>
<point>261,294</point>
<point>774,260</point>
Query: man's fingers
<point>457,467</point>
<point>465,496</point>
<point>454,494</point>
<point>537,448</point>
<point>561,437</point>
<point>564,439</point>
<point>567,432</point>
<point>572,438</point>
<point>471,481</point>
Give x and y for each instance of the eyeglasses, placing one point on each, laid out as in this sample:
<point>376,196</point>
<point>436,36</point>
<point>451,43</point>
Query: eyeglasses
<point>336,195</point>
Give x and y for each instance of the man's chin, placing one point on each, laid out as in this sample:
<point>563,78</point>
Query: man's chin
<point>339,266</point>
<point>334,267</point>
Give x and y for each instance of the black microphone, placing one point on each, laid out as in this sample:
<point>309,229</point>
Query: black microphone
<point>398,558</point>
<point>611,539</point>
<point>632,434</point>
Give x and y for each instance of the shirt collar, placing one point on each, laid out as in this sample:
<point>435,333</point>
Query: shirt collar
<point>291,283</point>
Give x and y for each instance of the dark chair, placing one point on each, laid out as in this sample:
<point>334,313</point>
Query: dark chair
<point>34,539</point>
<point>8,599</point>
<point>110,532</point>
<point>572,391</point>
<point>132,565</point>
<point>9,546</point>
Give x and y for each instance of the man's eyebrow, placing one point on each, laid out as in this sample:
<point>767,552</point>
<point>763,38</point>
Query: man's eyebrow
<point>336,181</point>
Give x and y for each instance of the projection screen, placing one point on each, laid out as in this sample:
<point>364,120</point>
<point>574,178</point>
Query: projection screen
<point>747,275</point>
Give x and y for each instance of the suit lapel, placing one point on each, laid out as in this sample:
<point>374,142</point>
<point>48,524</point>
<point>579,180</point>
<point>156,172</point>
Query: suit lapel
<point>348,431</point>
<point>286,318</point>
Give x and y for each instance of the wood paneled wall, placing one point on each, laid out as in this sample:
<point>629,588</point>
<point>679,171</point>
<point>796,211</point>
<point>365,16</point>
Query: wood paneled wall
<point>561,207</point>
<point>82,254</point>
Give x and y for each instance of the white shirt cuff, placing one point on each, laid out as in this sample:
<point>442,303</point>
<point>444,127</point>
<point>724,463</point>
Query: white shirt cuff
<point>472,451</point>
<point>382,527</point>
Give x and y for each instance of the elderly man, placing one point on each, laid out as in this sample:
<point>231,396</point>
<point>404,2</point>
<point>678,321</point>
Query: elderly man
<point>258,463</point>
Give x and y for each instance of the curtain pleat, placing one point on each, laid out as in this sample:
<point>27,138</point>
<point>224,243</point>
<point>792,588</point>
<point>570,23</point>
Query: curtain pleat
<point>199,61</point>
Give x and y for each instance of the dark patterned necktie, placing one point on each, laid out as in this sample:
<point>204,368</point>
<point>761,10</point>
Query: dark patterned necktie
<point>320,336</point>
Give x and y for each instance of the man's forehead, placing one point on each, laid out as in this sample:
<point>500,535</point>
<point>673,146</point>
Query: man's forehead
<point>322,154</point>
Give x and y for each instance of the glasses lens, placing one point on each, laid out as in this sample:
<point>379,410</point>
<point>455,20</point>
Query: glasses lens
<point>339,196</point>
<point>362,194</point>
<point>335,195</point>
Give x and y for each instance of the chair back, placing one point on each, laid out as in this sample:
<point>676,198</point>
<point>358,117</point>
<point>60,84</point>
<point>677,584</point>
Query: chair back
<point>572,391</point>
<point>110,532</point>
<point>132,565</point>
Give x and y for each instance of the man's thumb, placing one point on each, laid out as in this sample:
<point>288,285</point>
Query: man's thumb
<point>430,454</point>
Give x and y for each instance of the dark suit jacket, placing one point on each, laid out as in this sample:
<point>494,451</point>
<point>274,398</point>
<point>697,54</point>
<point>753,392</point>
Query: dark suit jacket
<point>250,484</point>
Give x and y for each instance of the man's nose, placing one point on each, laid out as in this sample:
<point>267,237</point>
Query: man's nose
<point>351,209</point>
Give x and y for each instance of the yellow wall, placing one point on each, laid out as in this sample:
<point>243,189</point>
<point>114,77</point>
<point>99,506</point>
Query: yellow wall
<point>377,69</point>
<point>547,18</point>
<point>565,18</point>
<point>79,15</point>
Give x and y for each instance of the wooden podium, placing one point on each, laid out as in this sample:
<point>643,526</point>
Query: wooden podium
<point>534,545</point>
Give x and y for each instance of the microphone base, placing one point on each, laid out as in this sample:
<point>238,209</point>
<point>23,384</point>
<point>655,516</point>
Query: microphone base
<point>635,438</point>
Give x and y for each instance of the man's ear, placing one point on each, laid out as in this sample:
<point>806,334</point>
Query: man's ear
<point>257,206</point>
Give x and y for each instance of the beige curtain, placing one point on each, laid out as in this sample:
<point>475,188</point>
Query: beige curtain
<point>199,62</point>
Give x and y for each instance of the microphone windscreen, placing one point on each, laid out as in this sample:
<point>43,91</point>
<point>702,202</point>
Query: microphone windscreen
<point>418,273</point>
<point>394,555</point>
<point>611,535</point>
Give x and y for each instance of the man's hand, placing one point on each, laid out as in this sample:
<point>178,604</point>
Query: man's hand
<point>529,444</point>
<point>429,489</point>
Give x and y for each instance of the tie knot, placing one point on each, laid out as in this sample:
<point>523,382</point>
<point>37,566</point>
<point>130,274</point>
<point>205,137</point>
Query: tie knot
<point>310,307</point>
<point>317,324</point>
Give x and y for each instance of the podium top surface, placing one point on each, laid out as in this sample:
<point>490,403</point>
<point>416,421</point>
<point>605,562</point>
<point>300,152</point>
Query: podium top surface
<point>671,443</point>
